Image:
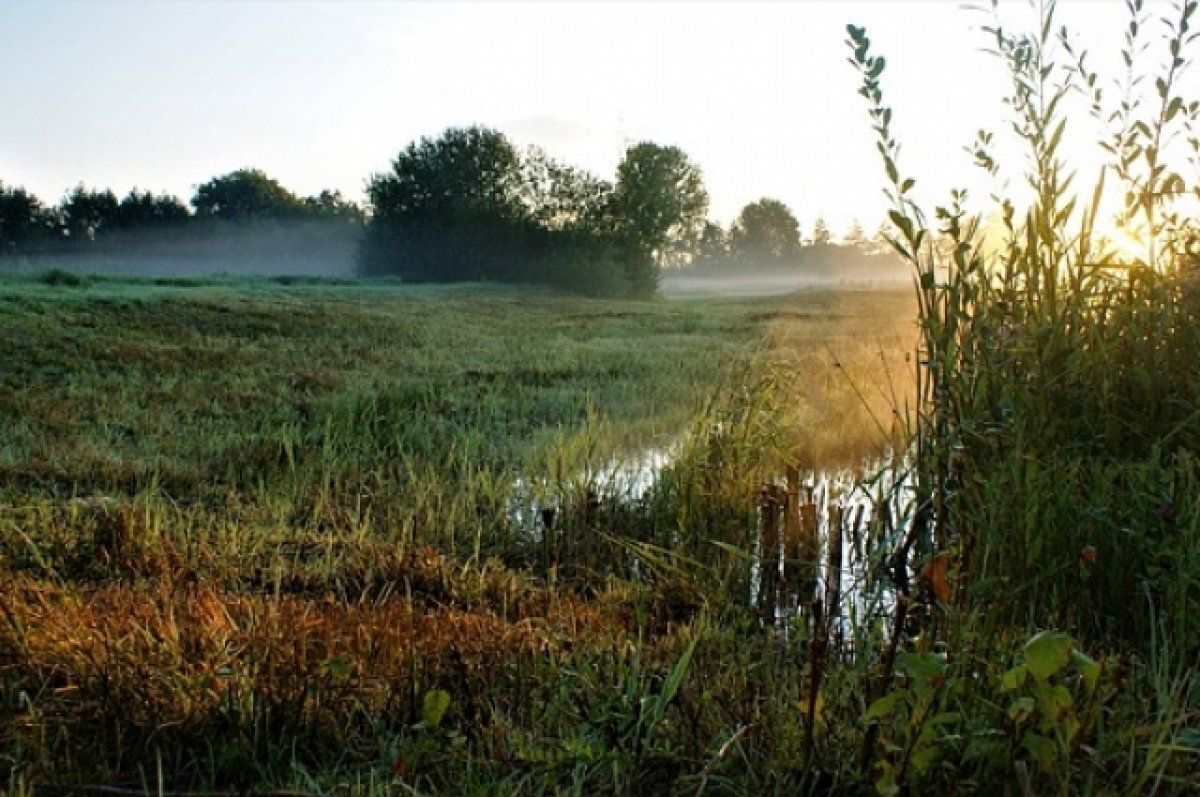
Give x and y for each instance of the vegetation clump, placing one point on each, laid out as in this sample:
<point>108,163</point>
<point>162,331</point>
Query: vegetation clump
<point>1053,449</point>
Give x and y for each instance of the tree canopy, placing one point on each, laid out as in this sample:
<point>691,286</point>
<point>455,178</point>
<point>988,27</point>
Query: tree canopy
<point>22,217</point>
<point>765,230</point>
<point>243,195</point>
<point>661,200</point>
<point>144,209</point>
<point>464,172</point>
<point>87,213</point>
<point>563,197</point>
<point>468,206</point>
<point>332,205</point>
<point>821,236</point>
<point>449,209</point>
<point>463,205</point>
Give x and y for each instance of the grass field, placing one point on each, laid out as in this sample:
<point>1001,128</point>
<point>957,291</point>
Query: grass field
<point>365,538</point>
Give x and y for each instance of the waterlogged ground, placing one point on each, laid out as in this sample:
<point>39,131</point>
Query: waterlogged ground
<point>276,534</point>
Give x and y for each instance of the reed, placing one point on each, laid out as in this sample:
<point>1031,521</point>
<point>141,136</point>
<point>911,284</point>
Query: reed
<point>1052,433</point>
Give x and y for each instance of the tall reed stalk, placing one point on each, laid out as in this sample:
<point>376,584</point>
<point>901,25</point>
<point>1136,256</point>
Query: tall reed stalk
<point>1058,376</point>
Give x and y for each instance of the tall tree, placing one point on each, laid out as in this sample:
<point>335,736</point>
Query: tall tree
<point>821,235</point>
<point>449,209</point>
<point>713,248</point>
<point>562,197</point>
<point>87,213</point>
<point>22,218</point>
<point>465,170</point>
<point>466,206</point>
<point>765,230</point>
<point>856,236</point>
<point>660,201</point>
<point>332,205</point>
<point>142,209</point>
<point>244,195</point>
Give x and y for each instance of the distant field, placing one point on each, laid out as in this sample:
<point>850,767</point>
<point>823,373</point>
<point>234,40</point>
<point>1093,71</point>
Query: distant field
<point>117,384</point>
<point>252,528</point>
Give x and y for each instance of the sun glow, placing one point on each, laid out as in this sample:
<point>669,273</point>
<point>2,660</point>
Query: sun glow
<point>1129,243</point>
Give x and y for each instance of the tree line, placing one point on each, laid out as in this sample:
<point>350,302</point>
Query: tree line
<point>468,205</point>
<point>85,215</point>
<point>766,239</point>
<point>465,205</point>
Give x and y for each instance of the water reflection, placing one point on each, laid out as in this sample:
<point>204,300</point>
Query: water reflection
<point>824,545</point>
<point>822,548</point>
<point>535,503</point>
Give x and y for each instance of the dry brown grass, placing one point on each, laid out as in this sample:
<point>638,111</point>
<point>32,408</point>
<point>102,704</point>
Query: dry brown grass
<point>123,668</point>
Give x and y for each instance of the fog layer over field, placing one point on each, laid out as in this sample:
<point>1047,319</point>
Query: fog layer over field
<point>684,282</point>
<point>309,248</point>
<point>813,265</point>
<point>319,248</point>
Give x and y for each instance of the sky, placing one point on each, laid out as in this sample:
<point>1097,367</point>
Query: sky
<point>165,94</point>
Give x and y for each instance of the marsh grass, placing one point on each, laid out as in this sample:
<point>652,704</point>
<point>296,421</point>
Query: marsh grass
<point>257,535</point>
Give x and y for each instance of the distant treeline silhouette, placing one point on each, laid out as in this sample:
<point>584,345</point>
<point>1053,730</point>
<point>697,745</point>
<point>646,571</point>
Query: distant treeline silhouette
<point>466,205</point>
<point>87,215</point>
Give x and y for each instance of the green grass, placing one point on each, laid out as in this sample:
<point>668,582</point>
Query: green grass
<point>248,529</point>
<point>124,384</point>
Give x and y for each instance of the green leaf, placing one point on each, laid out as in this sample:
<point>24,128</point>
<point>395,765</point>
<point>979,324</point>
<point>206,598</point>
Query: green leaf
<point>1014,678</point>
<point>433,708</point>
<point>1047,653</point>
<point>1041,750</point>
<point>677,673</point>
<point>893,174</point>
<point>923,757</point>
<point>1021,708</point>
<point>885,780</point>
<point>884,706</point>
<point>1054,704</point>
<point>923,666</point>
<point>659,704</point>
<point>1175,106</point>
<point>945,718</point>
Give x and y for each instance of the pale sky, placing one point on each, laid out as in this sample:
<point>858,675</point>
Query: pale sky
<point>165,94</point>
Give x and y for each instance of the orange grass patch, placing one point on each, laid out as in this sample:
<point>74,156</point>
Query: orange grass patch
<point>126,669</point>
